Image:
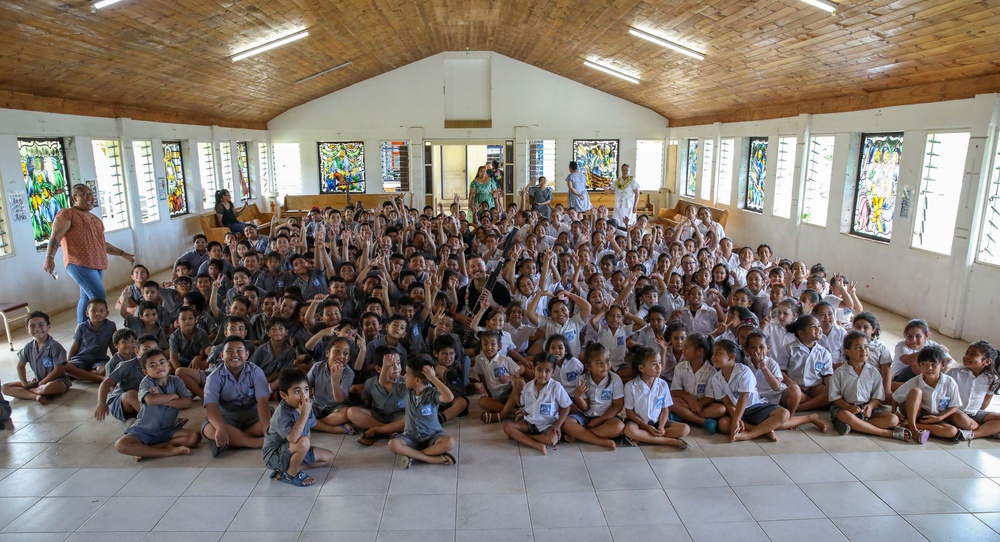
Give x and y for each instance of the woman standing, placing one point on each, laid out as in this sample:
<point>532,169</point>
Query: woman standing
<point>626,197</point>
<point>482,190</point>
<point>85,251</point>
<point>224,213</point>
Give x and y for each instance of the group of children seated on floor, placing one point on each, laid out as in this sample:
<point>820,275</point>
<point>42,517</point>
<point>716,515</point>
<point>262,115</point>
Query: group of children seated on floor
<point>382,324</point>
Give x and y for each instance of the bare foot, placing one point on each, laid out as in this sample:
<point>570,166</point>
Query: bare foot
<point>541,448</point>
<point>815,419</point>
<point>736,436</point>
<point>137,458</point>
<point>611,444</point>
<point>772,436</point>
<point>181,450</point>
<point>569,439</point>
<point>42,400</point>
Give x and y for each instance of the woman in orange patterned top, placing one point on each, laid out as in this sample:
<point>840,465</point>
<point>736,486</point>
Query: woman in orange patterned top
<point>85,251</point>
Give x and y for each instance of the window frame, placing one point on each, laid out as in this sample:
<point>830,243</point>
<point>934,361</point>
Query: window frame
<point>66,191</point>
<point>400,149</point>
<point>728,178</point>
<point>763,176</point>
<point>852,230</point>
<point>919,203</point>
<point>146,180</point>
<point>809,179</point>
<point>123,206</point>
<point>183,179</point>
<point>659,173</point>
<point>689,188</point>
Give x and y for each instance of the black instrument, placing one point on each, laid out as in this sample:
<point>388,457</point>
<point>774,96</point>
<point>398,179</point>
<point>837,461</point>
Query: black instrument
<point>472,306</point>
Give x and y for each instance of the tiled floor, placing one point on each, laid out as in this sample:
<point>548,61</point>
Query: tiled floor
<point>60,479</point>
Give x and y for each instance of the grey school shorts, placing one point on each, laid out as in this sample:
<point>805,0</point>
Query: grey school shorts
<point>278,458</point>
<point>412,442</point>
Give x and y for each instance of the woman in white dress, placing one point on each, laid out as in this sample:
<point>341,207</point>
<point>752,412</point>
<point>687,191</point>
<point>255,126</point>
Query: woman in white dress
<point>626,197</point>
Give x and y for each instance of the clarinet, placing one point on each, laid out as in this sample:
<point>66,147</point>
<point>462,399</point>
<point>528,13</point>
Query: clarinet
<point>472,308</point>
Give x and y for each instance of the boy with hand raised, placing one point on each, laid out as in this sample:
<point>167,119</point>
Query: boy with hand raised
<point>287,447</point>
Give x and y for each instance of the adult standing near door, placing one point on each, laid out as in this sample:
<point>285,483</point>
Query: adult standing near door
<point>85,250</point>
<point>626,197</point>
<point>482,190</point>
<point>578,199</point>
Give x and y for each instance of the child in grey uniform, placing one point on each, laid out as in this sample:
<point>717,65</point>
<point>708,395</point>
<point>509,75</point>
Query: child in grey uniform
<point>91,342</point>
<point>125,376</point>
<point>422,439</point>
<point>236,400</point>
<point>47,359</point>
<point>287,447</point>
<point>331,383</point>
<point>386,404</point>
<point>156,432</point>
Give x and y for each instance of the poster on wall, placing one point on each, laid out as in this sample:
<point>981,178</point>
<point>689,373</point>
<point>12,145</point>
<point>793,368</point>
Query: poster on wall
<point>341,167</point>
<point>18,208</point>
<point>94,189</point>
<point>598,160</point>
<point>161,188</point>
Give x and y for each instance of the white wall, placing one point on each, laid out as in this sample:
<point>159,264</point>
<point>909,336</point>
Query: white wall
<point>155,245</point>
<point>527,103</point>
<point>954,293</point>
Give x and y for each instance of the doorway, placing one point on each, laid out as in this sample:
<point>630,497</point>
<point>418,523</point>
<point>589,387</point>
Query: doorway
<point>452,167</point>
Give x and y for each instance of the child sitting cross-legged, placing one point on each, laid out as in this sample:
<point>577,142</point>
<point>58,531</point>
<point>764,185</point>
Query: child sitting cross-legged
<point>91,342</point>
<point>546,407</point>
<point>748,414</point>
<point>287,447</point>
<point>499,374</point>
<point>331,384</point>
<point>454,373</point>
<point>47,359</point>
<point>422,437</point>
<point>647,404</point>
<point>384,415</point>
<point>856,391</point>
<point>930,398</point>
<point>119,393</point>
<point>600,397</point>
<point>156,432</point>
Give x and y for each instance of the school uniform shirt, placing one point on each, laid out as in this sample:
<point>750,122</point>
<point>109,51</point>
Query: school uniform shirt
<point>834,343</point>
<point>421,408</point>
<point>230,393</point>
<point>670,362</point>
<point>672,302</point>
<point>763,388</point>
<point>878,354</point>
<point>127,375</point>
<point>386,403</point>
<point>696,384</point>
<point>806,366</point>
<point>271,363</point>
<point>114,362</point>
<point>614,342</point>
<point>520,335</point>
<point>571,330</point>
<point>491,369</point>
<point>158,418</point>
<point>214,358</point>
<point>935,400</point>
<point>187,348</point>
<point>44,359</point>
<point>741,380</point>
<point>703,320</point>
<point>170,302</point>
<point>903,350</point>
<point>795,290</point>
<point>322,386</point>
<point>94,342</point>
<point>194,259</point>
<point>601,394</point>
<point>227,269</point>
<point>273,283</point>
<point>139,328</point>
<point>206,323</point>
<point>374,345</point>
<point>972,389</point>
<point>542,406</point>
<point>856,388</point>
<point>284,418</point>
<point>568,374</point>
<point>739,275</point>
<point>414,341</point>
<point>647,402</point>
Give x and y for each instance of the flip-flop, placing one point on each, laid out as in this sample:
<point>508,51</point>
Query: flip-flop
<point>365,441</point>
<point>449,459</point>
<point>348,430</point>
<point>276,475</point>
<point>299,480</point>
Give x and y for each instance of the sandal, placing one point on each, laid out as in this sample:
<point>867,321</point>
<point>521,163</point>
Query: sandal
<point>348,430</point>
<point>276,475</point>
<point>403,462</point>
<point>300,480</point>
<point>365,440</point>
<point>490,417</point>
<point>922,437</point>
<point>631,442</point>
<point>901,433</point>
<point>449,459</point>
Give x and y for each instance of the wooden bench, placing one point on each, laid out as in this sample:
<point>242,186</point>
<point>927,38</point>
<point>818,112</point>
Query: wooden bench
<point>603,198</point>
<point>666,215</point>
<point>299,205</point>
<point>251,214</point>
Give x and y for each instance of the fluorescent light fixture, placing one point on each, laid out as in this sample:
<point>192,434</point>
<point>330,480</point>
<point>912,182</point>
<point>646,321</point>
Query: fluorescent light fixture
<point>825,5</point>
<point>611,71</point>
<point>103,3</point>
<point>667,43</point>
<point>270,45</point>
<point>324,72</point>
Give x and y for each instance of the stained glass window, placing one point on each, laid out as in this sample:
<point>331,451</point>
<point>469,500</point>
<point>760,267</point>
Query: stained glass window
<point>266,178</point>
<point>173,162</point>
<point>727,158</point>
<point>43,163</point>
<point>243,163</point>
<point>691,174</point>
<point>206,167</point>
<point>143,151</point>
<point>598,160</point>
<point>649,163</point>
<point>226,161</point>
<point>784,177</point>
<point>110,184</point>
<point>342,167</point>
<point>708,162</point>
<point>940,191</point>
<point>395,166</point>
<point>819,173</point>
<point>542,159</point>
<point>875,196</point>
<point>756,175</point>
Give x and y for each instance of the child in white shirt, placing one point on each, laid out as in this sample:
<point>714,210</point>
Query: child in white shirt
<point>647,404</point>
<point>599,397</point>
<point>929,398</point>
<point>977,381</point>
<point>501,378</point>
<point>856,391</point>
<point>690,385</point>
<point>546,407</point>
<point>748,415</point>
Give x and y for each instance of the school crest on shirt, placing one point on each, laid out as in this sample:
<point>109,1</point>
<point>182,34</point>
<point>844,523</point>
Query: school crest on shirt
<point>621,341</point>
<point>820,365</point>
<point>571,335</point>
<point>427,410</point>
<point>701,389</point>
<point>660,401</point>
<point>571,376</point>
<point>606,395</point>
<point>546,409</point>
<point>499,371</point>
<point>943,403</point>
<point>47,363</point>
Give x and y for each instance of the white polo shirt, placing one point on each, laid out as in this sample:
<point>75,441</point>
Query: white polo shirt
<point>568,374</point>
<point>855,388</point>
<point>935,400</point>
<point>807,366</point>
<point>834,343</point>
<point>972,389</point>
<point>647,402</point>
<point>614,342</point>
<point>571,330</point>
<point>763,388</point>
<point>703,320</point>
<point>878,354</point>
<point>490,371</point>
<point>600,395</point>
<point>541,407</point>
<point>686,379</point>
<point>741,380</point>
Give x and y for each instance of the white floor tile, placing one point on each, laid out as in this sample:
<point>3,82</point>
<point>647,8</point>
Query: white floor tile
<point>200,514</point>
<point>346,513</point>
<point>694,472</point>
<point>494,535</point>
<point>129,514</point>
<point>94,482</point>
<point>813,468</point>
<point>913,497</point>
<point>697,505</point>
<point>637,507</point>
<point>11,507</point>
<point>356,481</point>
<point>565,510</point>
<point>33,482</point>
<point>749,471</point>
<point>936,464</point>
<point>422,479</point>
<point>608,475</point>
<point>975,495</point>
<point>650,533</point>
<point>493,511</point>
<point>225,482</point>
<point>874,466</point>
<point>770,503</point>
<point>107,536</point>
<point>160,482</point>
<point>576,534</point>
<point>503,476</point>
<point>952,527</point>
<point>813,530</point>
<point>985,461</point>
<point>56,514</point>
<point>846,499</point>
<point>271,514</point>
<point>875,528</point>
<point>744,531</point>
<point>418,513</point>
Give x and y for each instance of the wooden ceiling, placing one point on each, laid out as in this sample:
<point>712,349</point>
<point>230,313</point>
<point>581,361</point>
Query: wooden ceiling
<point>169,60</point>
